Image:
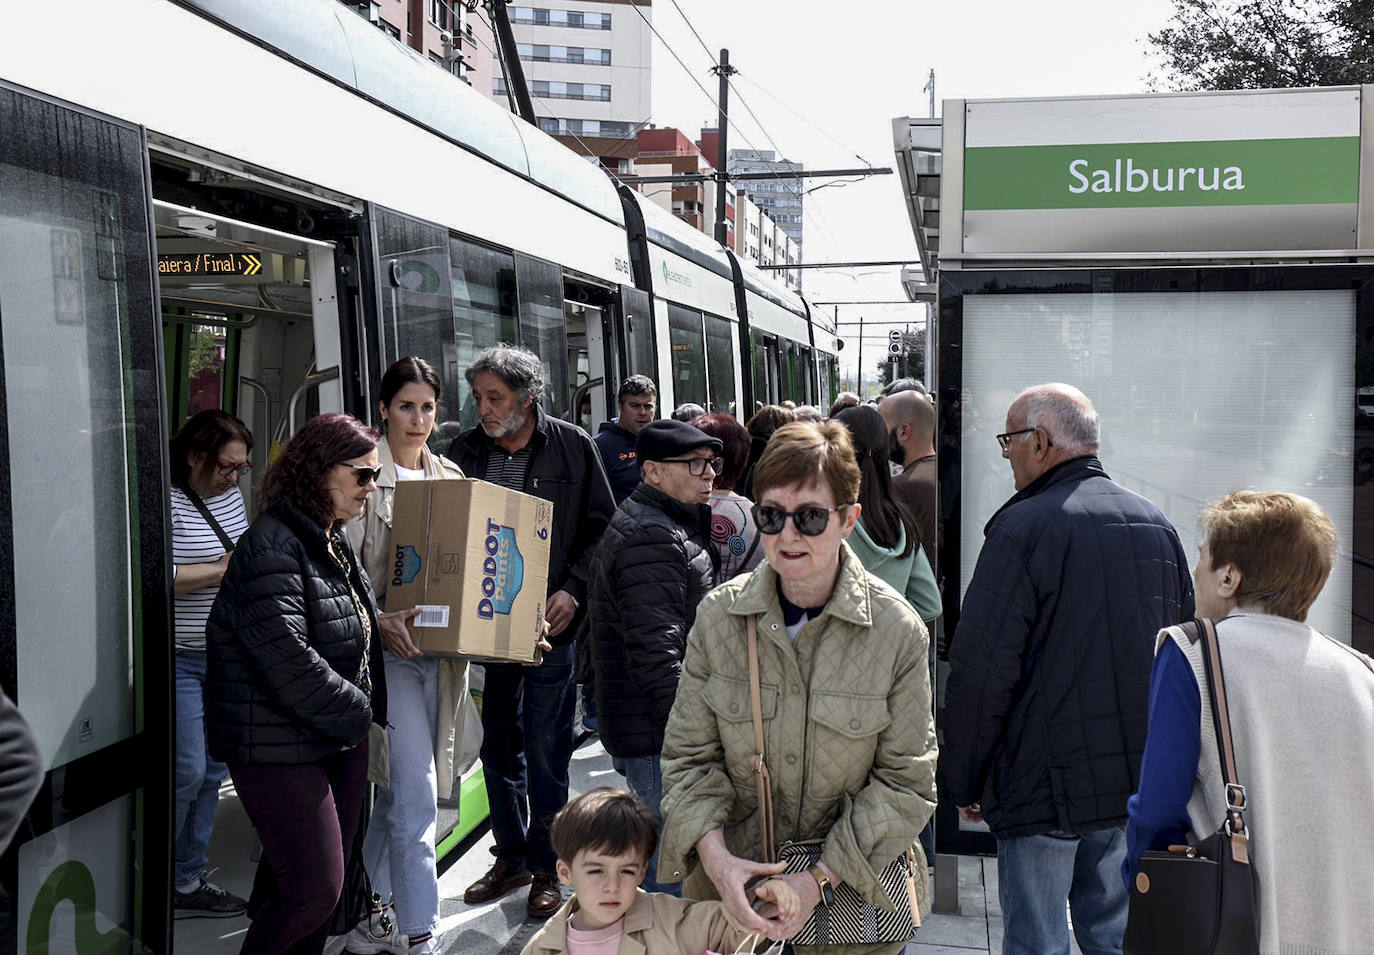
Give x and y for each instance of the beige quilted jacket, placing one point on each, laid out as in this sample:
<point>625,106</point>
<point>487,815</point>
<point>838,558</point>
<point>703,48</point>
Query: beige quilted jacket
<point>847,723</point>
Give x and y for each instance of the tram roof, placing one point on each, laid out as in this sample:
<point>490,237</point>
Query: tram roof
<point>328,38</point>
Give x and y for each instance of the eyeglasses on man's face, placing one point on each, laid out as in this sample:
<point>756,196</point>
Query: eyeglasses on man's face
<point>810,521</point>
<point>1005,439</point>
<point>697,466</point>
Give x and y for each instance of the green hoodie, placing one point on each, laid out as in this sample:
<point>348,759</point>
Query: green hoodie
<point>910,576</point>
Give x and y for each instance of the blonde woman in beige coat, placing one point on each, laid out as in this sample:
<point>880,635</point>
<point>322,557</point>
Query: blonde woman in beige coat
<point>849,737</point>
<point>412,761</point>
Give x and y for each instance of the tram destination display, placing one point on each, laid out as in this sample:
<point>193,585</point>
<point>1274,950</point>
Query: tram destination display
<point>474,558</point>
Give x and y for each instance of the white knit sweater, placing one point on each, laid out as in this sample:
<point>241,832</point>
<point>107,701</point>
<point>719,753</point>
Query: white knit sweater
<point>1302,721</point>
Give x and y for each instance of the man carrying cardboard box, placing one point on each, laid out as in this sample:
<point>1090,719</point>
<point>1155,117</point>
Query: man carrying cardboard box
<point>527,712</point>
<point>653,565</point>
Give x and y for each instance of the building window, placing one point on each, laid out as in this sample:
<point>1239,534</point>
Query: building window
<point>439,13</point>
<point>560,18</point>
<point>541,53</point>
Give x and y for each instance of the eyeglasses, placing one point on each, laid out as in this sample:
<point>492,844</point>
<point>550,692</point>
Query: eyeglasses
<point>697,466</point>
<point>365,475</point>
<point>1005,439</point>
<point>810,521</point>
<point>233,468</point>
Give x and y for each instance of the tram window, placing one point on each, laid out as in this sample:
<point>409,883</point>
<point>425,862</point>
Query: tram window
<point>540,286</point>
<point>720,355</point>
<point>416,292</point>
<point>639,333</point>
<point>689,355</point>
<point>484,313</point>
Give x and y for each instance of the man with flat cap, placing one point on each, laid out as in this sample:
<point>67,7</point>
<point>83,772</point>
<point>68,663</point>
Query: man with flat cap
<point>652,567</point>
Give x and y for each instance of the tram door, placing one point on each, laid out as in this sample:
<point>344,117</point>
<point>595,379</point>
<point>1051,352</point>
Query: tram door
<point>84,625</point>
<point>589,315</point>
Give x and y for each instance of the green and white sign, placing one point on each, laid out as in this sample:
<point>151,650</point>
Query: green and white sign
<point>1250,172</point>
<point>1181,173</point>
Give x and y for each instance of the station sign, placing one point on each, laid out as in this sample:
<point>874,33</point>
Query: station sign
<point>210,263</point>
<point>1199,172</point>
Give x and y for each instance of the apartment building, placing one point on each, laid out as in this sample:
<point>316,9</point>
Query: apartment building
<point>781,198</point>
<point>442,30</point>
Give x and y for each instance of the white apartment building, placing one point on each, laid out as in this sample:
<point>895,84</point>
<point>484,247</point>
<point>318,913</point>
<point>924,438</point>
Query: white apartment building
<point>587,64</point>
<point>760,240</point>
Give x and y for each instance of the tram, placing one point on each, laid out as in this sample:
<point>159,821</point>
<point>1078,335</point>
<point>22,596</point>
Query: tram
<point>223,203</point>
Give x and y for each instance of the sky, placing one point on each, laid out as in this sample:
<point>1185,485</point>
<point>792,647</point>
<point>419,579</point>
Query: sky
<point>826,79</point>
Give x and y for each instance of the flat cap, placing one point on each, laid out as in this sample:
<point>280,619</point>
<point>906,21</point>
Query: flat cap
<point>666,438</point>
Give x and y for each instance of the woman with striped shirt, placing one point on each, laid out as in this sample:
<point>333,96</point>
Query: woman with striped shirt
<point>208,454</point>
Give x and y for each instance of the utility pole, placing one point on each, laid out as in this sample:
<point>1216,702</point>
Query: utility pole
<point>724,70</point>
<point>930,88</point>
<point>860,389</point>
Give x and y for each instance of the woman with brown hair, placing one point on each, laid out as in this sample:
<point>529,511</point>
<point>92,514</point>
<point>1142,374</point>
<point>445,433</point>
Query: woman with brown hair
<point>295,677</point>
<point>844,706</point>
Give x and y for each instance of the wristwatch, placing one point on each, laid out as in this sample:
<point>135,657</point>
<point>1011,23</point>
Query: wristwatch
<point>823,881</point>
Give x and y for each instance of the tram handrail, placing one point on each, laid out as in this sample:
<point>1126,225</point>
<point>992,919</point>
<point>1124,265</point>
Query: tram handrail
<point>581,392</point>
<point>311,381</point>
<point>258,387</point>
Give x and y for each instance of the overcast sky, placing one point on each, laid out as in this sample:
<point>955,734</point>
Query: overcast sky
<point>850,68</point>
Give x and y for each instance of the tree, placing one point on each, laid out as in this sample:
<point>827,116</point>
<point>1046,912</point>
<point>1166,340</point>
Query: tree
<point>911,364</point>
<point>1265,44</point>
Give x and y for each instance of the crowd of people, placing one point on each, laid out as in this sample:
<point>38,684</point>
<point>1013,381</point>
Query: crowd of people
<point>749,611</point>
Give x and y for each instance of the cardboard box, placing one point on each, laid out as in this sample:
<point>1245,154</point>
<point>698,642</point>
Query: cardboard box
<point>475,558</point>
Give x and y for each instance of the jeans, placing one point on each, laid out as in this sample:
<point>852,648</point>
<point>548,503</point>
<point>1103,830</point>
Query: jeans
<point>197,775</point>
<point>527,742</point>
<point>1037,874</point>
<point>307,816</point>
<point>398,849</point>
<point>645,779</point>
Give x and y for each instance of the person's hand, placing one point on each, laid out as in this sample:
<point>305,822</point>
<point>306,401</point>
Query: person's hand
<point>396,635</point>
<point>559,610</point>
<point>221,567</point>
<point>784,907</point>
<point>543,645</point>
<point>973,813</point>
<point>729,873</point>
<point>805,896</point>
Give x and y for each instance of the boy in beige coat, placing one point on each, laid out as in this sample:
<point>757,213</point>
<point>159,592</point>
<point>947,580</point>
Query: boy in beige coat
<point>604,839</point>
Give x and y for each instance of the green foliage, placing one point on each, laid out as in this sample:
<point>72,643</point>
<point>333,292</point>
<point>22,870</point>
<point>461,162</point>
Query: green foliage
<point>1264,44</point>
<point>204,350</point>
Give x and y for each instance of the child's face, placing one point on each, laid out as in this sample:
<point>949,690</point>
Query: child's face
<point>605,885</point>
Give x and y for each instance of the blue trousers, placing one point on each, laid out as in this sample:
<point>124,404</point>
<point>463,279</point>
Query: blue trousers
<point>197,775</point>
<point>1037,875</point>
<point>527,742</point>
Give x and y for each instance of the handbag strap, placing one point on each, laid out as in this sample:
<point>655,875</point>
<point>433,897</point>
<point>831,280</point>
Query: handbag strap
<point>1221,721</point>
<point>224,538</point>
<point>762,781</point>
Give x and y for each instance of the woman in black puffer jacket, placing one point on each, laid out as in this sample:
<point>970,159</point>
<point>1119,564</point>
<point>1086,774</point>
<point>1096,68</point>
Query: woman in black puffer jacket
<point>294,677</point>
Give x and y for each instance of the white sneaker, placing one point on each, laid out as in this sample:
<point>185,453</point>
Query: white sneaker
<point>429,946</point>
<point>377,935</point>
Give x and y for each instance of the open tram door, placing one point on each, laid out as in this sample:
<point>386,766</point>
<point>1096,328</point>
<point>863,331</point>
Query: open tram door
<point>84,586</point>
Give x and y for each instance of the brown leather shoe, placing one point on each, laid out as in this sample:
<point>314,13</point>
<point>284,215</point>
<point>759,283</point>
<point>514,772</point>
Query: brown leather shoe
<point>545,897</point>
<point>499,880</point>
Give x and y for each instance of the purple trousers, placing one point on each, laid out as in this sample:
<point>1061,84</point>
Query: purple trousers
<point>306,816</point>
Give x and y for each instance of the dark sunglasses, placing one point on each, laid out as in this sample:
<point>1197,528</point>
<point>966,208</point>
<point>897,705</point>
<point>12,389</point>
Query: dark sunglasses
<point>810,521</point>
<point>365,475</point>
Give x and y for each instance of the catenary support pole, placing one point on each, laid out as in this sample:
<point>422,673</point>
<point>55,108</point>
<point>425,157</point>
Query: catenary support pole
<point>724,70</point>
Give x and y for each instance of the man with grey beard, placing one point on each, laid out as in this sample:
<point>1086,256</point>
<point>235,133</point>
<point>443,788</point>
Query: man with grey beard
<point>527,712</point>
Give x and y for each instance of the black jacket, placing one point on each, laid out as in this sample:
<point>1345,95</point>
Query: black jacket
<point>653,565</point>
<point>617,448</point>
<point>565,468</point>
<point>1046,703</point>
<point>284,645</point>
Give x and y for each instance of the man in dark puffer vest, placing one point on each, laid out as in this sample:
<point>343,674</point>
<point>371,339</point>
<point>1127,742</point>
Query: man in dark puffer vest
<point>652,567</point>
<point>1046,701</point>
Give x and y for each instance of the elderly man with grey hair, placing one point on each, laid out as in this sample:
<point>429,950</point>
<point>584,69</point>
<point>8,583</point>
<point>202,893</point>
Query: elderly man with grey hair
<point>1046,699</point>
<point>527,712</point>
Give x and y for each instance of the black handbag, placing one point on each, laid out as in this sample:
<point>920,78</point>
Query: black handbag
<point>850,919</point>
<point>1201,898</point>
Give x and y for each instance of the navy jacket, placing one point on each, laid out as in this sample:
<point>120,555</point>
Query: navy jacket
<point>1046,703</point>
<point>284,645</point>
<point>617,447</point>
<point>565,469</point>
<point>653,565</point>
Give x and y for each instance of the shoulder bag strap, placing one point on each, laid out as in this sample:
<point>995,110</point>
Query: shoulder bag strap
<point>1221,719</point>
<point>210,519</point>
<point>761,777</point>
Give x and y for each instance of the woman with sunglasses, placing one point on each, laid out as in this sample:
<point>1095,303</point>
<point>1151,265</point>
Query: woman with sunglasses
<point>413,761</point>
<point>844,702</point>
<point>887,538</point>
<point>295,679</point>
<point>208,453</point>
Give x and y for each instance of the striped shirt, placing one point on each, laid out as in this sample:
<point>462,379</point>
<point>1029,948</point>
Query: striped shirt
<point>195,542</point>
<point>508,470</point>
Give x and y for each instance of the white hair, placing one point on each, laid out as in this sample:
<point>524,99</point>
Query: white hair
<point>1066,414</point>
